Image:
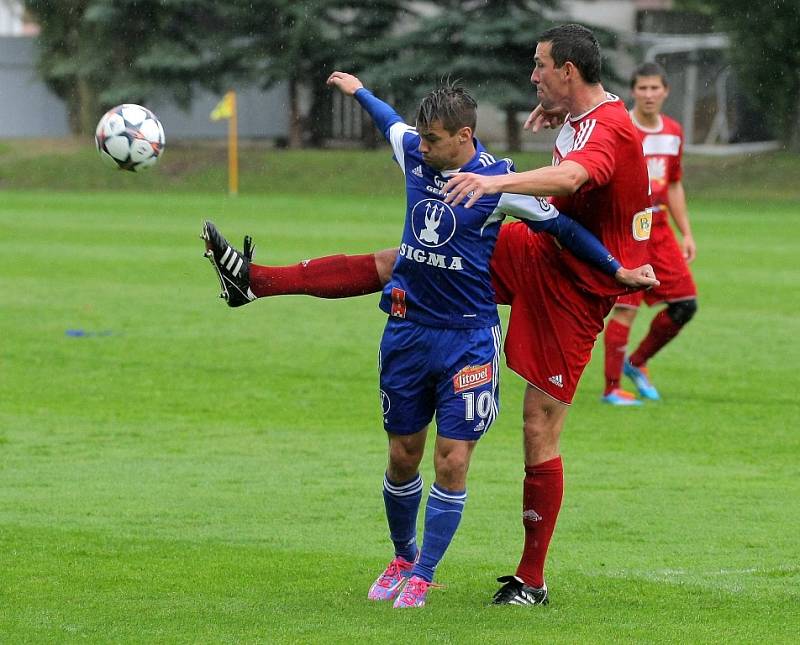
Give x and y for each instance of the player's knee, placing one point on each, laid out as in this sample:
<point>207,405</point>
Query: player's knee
<point>404,458</point>
<point>451,469</point>
<point>541,437</point>
<point>452,474</point>
<point>543,419</point>
<point>682,312</point>
<point>625,315</point>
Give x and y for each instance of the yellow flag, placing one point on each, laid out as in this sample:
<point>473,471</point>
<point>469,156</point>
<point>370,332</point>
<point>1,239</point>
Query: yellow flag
<point>224,109</point>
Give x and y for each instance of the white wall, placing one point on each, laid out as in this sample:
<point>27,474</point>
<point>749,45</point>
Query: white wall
<point>619,15</point>
<point>11,23</point>
<point>27,107</point>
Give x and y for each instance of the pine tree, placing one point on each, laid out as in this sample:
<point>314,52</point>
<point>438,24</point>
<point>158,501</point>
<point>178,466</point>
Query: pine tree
<point>301,43</point>
<point>487,45</point>
<point>96,53</point>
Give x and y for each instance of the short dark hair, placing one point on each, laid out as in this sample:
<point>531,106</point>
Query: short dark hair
<point>451,105</point>
<point>649,69</point>
<point>576,44</point>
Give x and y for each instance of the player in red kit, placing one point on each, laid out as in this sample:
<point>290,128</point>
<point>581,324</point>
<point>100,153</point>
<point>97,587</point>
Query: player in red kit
<point>599,176</point>
<point>662,143</point>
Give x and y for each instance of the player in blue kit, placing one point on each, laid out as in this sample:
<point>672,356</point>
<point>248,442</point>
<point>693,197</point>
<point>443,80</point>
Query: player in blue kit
<point>439,353</point>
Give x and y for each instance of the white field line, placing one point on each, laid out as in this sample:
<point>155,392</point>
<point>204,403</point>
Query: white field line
<point>667,574</point>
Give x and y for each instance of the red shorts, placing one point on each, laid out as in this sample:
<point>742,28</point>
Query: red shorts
<point>665,254</point>
<point>553,324</point>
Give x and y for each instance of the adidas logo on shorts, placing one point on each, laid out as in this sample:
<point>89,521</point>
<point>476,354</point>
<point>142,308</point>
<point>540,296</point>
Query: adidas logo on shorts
<point>557,380</point>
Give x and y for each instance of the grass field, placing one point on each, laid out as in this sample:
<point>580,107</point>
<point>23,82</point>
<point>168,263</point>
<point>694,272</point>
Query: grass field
<point>174,471</point>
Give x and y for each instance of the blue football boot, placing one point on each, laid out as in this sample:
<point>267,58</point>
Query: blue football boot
<point>641,379</point>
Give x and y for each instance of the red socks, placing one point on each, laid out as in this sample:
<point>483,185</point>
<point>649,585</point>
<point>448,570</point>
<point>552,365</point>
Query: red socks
<point>541,501</point>
<point>616,341</point>
<point>334,276</point>
<point>662,330</point>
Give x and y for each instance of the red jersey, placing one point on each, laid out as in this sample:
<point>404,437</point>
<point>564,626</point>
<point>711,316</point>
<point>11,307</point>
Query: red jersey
<point>614,202</point>
<point>663,151</point>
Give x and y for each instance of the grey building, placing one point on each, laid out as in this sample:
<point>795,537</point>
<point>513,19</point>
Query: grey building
<point>29,109</point>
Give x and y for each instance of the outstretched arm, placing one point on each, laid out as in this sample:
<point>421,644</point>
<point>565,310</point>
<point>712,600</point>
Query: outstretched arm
<point>579,240</point>
<point>585,246</point>
<point>383,114</point>
<point>563,179</point>
<point>541,215</point>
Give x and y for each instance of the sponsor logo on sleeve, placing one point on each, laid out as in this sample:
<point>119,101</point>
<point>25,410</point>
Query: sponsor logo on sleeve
<point>545,204</point>
<point>642,223</point>
<point>471,377</point>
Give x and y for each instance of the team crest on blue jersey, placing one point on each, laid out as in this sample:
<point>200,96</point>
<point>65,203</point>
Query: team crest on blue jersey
<point>433,222</point>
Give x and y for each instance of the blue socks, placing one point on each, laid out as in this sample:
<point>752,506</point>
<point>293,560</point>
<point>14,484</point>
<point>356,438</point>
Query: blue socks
<point>442,516</point>
<point>402,504</point>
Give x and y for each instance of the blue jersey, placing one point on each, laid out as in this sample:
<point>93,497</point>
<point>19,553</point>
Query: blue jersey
<point>441,277</point>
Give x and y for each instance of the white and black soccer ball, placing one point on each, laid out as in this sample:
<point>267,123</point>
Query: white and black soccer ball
<point>130,137</point>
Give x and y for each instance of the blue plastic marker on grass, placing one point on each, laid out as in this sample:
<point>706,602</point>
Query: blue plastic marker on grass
<point>82,333</point>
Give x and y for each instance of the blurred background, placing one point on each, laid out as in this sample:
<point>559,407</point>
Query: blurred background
<point>734,65</point>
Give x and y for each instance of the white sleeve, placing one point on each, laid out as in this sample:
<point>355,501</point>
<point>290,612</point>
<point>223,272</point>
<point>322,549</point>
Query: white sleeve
<point>526,207</point>
<point>397,132</point>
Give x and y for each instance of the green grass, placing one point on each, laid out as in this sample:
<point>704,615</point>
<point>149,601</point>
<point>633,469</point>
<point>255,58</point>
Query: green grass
<point>201,166</point>
<point>189,473</point>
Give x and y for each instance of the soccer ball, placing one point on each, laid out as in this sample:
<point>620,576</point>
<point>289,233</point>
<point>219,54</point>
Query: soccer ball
<point>130,137</point>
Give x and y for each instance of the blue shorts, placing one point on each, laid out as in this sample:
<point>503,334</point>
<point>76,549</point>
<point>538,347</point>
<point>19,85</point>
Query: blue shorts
<point>452,372</point>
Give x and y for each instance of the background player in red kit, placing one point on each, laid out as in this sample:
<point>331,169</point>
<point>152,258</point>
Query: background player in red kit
<point>662,142</point>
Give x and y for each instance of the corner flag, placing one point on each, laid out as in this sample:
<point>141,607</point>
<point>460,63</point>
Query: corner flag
<point>226,109</point>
